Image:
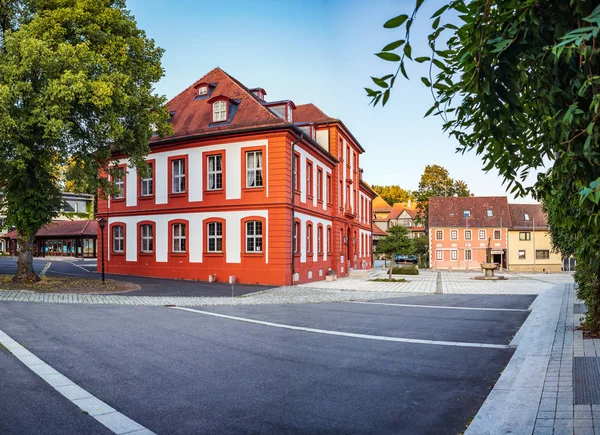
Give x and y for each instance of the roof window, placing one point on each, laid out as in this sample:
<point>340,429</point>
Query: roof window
<point>526,216</point>
<point>490,212</point>
<point>467,213</point>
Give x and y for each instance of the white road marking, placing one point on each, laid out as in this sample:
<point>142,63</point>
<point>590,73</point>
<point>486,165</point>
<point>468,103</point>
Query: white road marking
<point>348,334</point>
<point>444,307</point>
<point>45,269</point>
<point>77,265</point>
<point>97,409</point>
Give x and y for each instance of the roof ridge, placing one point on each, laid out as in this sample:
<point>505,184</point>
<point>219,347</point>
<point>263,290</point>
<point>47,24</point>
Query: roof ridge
<point>192,85</point>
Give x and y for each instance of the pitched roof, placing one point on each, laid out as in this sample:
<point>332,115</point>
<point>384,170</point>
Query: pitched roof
<point>537,217</point>
<point>87,228</point>
<point>399,207</point>
<point>380,205</point>
<point>193,114</point>
<point>448,211</point>
<point>378,231</point>
<point>311,113</point>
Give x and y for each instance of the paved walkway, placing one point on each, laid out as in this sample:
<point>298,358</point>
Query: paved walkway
<point>445,282</point>
<point>535,394</point>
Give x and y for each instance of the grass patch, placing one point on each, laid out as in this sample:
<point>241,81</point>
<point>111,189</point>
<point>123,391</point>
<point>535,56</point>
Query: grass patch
<point>51,284</point>
<point>388,280</point>
<point>412,270</point>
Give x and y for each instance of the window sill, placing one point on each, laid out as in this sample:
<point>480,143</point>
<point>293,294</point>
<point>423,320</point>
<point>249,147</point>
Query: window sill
<point>253,189</point>
<point>146,254</point>
<point>320,201</point>
<point>120,254</point>
<point>178,254</point>
<point>118,199</point>
<point>145,197</point>
<point>177,195</point>
<point>253,254</point>
<point>309,197</point>
<point>214,191</point>
<point>214,254</point>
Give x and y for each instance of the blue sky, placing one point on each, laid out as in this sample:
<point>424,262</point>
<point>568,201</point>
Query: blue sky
<point>319,52</point>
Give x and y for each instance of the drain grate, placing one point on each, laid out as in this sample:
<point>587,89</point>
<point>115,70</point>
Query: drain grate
<point>586,380</point>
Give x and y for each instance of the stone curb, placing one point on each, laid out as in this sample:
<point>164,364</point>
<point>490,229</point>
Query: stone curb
<point>512,405</point>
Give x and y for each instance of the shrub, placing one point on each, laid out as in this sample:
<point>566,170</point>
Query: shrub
<point>412,270</point>
<point>388,280</point>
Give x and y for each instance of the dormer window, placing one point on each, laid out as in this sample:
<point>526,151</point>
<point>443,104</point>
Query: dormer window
<point>219,111</point>
<point>289,113</point>
<point>203,90</point>
<point>490,212</point>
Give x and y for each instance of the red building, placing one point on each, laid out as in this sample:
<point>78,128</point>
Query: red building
<point>267,192</point>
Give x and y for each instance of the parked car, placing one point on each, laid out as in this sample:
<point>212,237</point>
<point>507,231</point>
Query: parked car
<point>412,259</point>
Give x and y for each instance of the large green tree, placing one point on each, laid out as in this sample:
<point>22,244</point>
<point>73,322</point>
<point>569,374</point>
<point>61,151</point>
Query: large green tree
<point>396,242</point>
<point>436,181</point>
<point>76,84</point>
<point>393,194</point>
<point>518,82</point>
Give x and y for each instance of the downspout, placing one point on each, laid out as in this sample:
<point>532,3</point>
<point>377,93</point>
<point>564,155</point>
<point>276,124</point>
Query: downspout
<point>293,250</point>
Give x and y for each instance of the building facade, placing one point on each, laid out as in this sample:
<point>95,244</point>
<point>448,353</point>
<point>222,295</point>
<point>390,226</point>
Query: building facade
<point>462,228</point>
<point>265,192</point>
<point>529,243</point>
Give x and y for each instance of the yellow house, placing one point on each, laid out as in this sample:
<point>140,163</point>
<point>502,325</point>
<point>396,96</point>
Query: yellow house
<point>529,244</point>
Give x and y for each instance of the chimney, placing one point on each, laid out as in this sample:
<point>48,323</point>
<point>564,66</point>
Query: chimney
<point>409,203</point>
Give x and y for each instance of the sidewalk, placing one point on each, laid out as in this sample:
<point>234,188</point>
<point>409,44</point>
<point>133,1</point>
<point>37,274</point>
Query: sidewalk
<point>535,394</point>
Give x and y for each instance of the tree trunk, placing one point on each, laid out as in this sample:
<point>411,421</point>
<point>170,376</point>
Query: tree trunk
<point>25,272</point>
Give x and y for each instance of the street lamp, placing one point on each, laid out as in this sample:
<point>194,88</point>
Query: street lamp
<point>102,224</point>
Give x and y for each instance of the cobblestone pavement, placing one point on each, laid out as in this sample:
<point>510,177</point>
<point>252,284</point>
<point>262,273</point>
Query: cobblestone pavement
<point>557,412</point>
<point>457,282</point>
<point>280,295</point>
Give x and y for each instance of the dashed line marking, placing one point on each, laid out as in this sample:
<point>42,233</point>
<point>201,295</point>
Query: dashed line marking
<point>45,269</point>
<point>347,334</point>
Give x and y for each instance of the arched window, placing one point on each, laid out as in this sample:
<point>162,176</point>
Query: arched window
<point>329,240</point>
<point>320,239</point>
<point>254,236</point>
<point>219,111</point>
<point>179,235</point>
<point>118,236</point>
<point>215,236</point>
<point>309,236</point>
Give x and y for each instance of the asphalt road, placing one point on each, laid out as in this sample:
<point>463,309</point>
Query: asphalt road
<point>179,372</point>
<point>148,286</point>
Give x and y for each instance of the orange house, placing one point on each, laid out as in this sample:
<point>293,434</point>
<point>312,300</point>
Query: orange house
<point>462,228</point>
<point>246,189</point>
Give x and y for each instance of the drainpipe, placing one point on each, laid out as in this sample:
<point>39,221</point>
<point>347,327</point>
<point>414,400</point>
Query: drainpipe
<point>293,250</point>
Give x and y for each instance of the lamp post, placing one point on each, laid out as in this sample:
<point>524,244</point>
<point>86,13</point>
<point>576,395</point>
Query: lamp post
<point>102,223</point>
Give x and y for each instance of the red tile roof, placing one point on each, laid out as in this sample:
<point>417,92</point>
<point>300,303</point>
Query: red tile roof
<point>448,211</point>
<point>87,228</point>
<point>399,207</point>
<point>378,231</point>
<point>311,113</point>
<point>537,217</point>
<point>193,115</point>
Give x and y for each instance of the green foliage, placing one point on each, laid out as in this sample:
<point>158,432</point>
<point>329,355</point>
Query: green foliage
<point>436,181</point>
<point>420,246</point>
<point>388,280</point>
<point>517,82</point>
<point>76,85</point>
<point>397,242</point>
<point>393,194</point>
<point>412,270</point>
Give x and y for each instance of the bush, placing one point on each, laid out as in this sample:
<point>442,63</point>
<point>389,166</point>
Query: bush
<point>388,280</point>
<point>412,270</point>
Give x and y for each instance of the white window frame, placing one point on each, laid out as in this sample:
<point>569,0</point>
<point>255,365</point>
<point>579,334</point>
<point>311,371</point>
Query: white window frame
<point>120,185</point>
<point>468,257</point>
<point>219,111</point>
<point>319,239</point>
<point>289,113</point>
<point>295,236</point>
<point>118,239</point>
<point>254,173</point>
<point>309,178</point>
<point>147,184</point>
<point>309,229</point>
<point>178,176</point>
<point>147,238</point>
<point>466,213</point>
<point>438,232</point>
<point>439,255</point>
<point>484,232</point>
<point>202,90</point>
<point>328,239</point>
<point>454,255</point>
<point>214,174</point>
<point>179,237</point>
<point>490,212</point>
<point>254,236</point>
<point>453,234</point>
<point>319,185</point>
<point>526,216</point>
<point>216,237</point>
<point>469,232</point>
<point>524,257</point>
